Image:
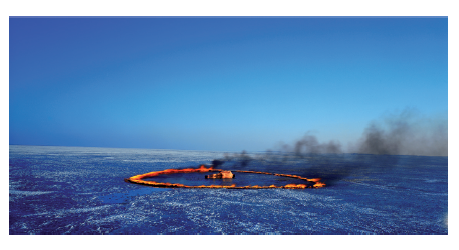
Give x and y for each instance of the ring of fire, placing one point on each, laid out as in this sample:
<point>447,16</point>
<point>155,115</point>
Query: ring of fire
<point>137,179</point>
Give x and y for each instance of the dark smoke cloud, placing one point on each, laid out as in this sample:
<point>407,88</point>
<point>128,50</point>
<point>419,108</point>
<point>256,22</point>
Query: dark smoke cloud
<point>309,144</point>
<point>406,133</point>
<point>381,143</point>
<point>398,133</point>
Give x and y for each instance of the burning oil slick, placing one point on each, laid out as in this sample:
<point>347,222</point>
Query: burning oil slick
<point>224,174</point>
<point>404,133</point>
<point>380,146</point>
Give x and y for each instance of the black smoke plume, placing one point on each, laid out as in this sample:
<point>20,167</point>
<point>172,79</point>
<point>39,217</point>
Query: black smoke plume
<point>380,146</point>
<point>406,133</point>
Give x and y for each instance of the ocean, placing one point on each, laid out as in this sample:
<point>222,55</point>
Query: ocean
<point>81,191</point>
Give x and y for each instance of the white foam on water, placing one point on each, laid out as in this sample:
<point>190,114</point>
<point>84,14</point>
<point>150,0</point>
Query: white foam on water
<point>242,203</point>
<point>445,220</point>
<point>29,193</point>
<point>124,218</point>
<point>432,181</point>
<point>85,210</point>
<point>202,211</point>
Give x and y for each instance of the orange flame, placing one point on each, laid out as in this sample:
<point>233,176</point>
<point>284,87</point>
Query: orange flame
<point>318,185</point>
<point>138,179</point>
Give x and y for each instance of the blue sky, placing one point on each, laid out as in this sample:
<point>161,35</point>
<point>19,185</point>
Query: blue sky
<point>218,83</point>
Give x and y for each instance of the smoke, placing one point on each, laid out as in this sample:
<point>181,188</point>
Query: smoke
<point>406,133</point>
<point>381,144</point>
<point>398,133</point>
<point>309,145</point>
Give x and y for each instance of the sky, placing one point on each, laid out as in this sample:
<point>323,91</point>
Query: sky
<point>224,84</point>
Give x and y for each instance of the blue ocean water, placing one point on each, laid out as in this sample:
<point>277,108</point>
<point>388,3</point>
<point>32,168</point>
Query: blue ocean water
<point>78,190</point>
